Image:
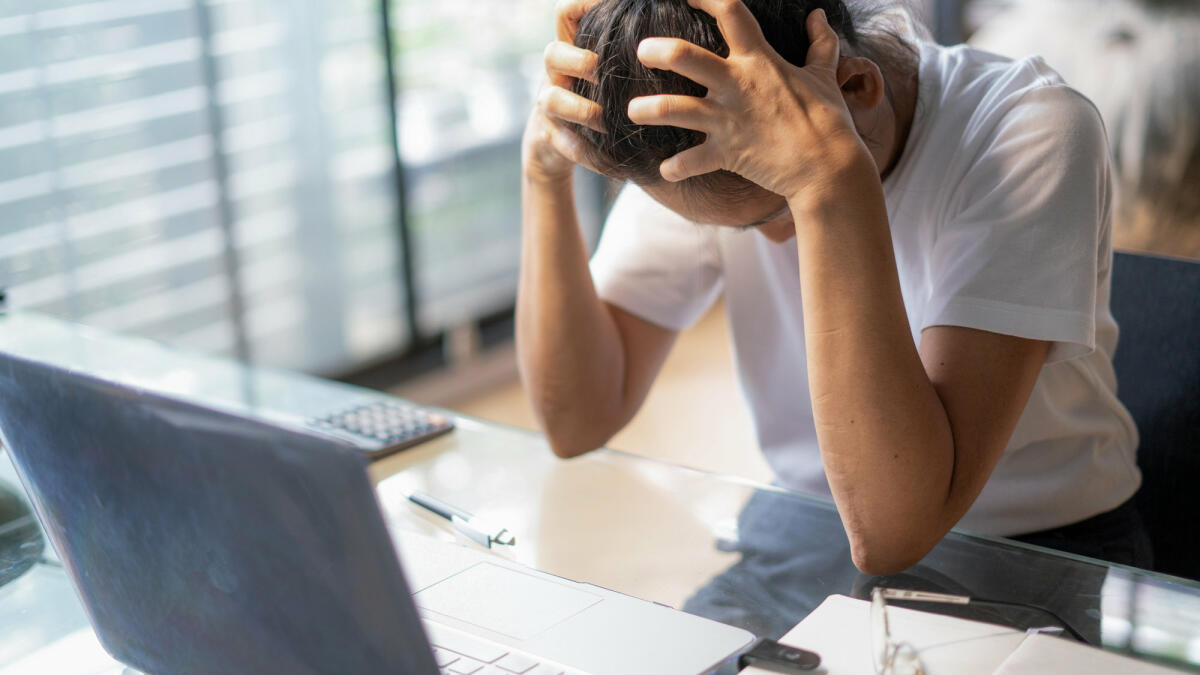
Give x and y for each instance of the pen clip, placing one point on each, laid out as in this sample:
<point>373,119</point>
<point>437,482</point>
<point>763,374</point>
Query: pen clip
<point>504,538</point>
<point>479,533</point>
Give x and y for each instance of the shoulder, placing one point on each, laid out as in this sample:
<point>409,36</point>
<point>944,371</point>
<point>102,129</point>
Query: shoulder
<point>1033,156</point>
<point>1002,101</point>
<point>982,77</point>
<point>654,263</point>
<point>641,231</point>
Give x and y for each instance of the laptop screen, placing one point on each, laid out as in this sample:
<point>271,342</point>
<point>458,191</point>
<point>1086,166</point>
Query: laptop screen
<point>203,542</point>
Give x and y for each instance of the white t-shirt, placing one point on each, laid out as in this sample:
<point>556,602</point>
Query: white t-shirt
<point>1000,220</point>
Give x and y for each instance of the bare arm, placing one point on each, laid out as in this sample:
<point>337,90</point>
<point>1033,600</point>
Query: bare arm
<point>908,437</point>
<point>586,365</point>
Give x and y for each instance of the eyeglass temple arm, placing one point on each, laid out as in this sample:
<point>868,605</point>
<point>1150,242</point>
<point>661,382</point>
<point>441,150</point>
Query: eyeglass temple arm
<point>1065,624</point>
<point>948,599</point>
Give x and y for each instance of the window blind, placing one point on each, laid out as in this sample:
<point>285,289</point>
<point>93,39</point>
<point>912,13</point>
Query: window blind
<point>209,174</point>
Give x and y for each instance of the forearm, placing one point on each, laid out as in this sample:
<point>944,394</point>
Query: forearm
<point>568,347</point>
<point>886,442</point>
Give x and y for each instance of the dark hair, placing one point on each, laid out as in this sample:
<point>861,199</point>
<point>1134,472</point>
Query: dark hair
<point>614,28</point>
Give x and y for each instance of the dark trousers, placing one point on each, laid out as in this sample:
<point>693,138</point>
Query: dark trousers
<point>1117,536</point>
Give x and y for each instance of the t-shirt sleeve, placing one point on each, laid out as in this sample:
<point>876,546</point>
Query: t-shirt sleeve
<point>1019,251</point>
<point>656,264</point>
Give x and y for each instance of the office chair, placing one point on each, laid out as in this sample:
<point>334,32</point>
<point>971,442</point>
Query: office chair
<point>1156,301</point>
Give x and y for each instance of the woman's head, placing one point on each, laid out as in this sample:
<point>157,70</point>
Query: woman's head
<point>613,29</point>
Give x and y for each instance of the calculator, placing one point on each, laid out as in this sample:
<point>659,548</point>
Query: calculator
<point>383,427</point>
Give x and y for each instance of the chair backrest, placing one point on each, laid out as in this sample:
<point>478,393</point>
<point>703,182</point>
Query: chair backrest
<point>1156,301</point>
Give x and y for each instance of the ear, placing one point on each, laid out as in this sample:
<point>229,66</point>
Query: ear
<point>861,82</point>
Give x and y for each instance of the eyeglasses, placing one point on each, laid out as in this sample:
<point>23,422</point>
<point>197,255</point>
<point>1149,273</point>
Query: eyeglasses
<point>893,657</point>
<point>890,656</point>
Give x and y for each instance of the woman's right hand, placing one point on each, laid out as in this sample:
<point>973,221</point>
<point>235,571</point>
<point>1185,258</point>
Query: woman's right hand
<point>550,149</point>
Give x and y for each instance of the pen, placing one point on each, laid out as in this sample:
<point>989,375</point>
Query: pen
<point>476,529</point>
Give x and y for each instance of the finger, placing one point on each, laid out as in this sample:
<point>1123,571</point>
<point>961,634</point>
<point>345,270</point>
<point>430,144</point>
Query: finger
<point>565,105</point>
<point>566,142</point>
<point>570,145</point>
<point>695,161</point>
<point>687,112</point>
<point>737,24</point>
<point>567,16</point>
<point>824,46</point>
<point>563,59</point>
<point>680,56</point>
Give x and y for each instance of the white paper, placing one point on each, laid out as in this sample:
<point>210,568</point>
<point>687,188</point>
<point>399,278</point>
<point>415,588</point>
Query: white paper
<point>840,632</point>
<point>1039,654</point>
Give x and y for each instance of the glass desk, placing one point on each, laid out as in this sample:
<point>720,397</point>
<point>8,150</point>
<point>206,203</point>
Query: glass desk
<point>747,554</point>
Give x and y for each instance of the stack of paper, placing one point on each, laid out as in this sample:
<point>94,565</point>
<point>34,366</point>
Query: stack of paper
<point>840,631</point>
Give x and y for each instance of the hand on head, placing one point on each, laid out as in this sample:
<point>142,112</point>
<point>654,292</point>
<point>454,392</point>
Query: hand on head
<point>551,148</point>
<point>784,128</point>
<point>781,126</point>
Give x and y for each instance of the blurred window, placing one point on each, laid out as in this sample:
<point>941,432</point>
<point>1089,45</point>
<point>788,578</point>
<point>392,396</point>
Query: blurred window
<point>218,175</point>
<point>467,73</point>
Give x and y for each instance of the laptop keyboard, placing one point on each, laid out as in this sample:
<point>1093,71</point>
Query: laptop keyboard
<point>457,653</point>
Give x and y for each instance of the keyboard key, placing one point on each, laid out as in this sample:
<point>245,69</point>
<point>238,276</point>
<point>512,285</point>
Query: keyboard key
<point>493,670</point>
<point>443,658</point>
<point>516,663</point>
<point>465,666</point>
<point>543,669</point>
<point>464,644</point>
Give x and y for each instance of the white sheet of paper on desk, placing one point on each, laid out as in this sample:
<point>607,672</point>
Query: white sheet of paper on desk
<point>1039,654</point>
<point>840,631</point>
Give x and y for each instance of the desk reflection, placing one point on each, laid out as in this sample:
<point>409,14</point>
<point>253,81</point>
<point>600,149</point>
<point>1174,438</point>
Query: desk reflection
<point>795,553</point>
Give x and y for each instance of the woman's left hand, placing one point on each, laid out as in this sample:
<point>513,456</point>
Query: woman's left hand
<point>785,128</point>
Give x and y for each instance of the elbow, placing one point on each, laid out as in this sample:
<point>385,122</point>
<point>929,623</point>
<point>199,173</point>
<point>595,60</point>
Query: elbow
<point>883,556</point>
<point>881,564</point>
<point>570,436</point>
<point>569,431</point>
<point>567,448</point>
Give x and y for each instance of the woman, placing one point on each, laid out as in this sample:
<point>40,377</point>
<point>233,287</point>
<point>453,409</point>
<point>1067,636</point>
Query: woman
<point>921,322</point>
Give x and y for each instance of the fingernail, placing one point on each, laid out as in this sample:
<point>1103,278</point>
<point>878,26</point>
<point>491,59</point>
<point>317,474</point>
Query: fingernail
<point>632,110</point>
<point>642,46</point>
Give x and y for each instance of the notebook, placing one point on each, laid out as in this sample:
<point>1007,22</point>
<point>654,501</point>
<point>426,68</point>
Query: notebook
<point>839,629</point>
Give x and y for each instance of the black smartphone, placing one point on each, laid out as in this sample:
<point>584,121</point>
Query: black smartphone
<point>770,655</point>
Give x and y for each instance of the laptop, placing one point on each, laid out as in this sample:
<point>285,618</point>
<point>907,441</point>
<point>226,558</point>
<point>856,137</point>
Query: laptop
<point>203,540</point>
